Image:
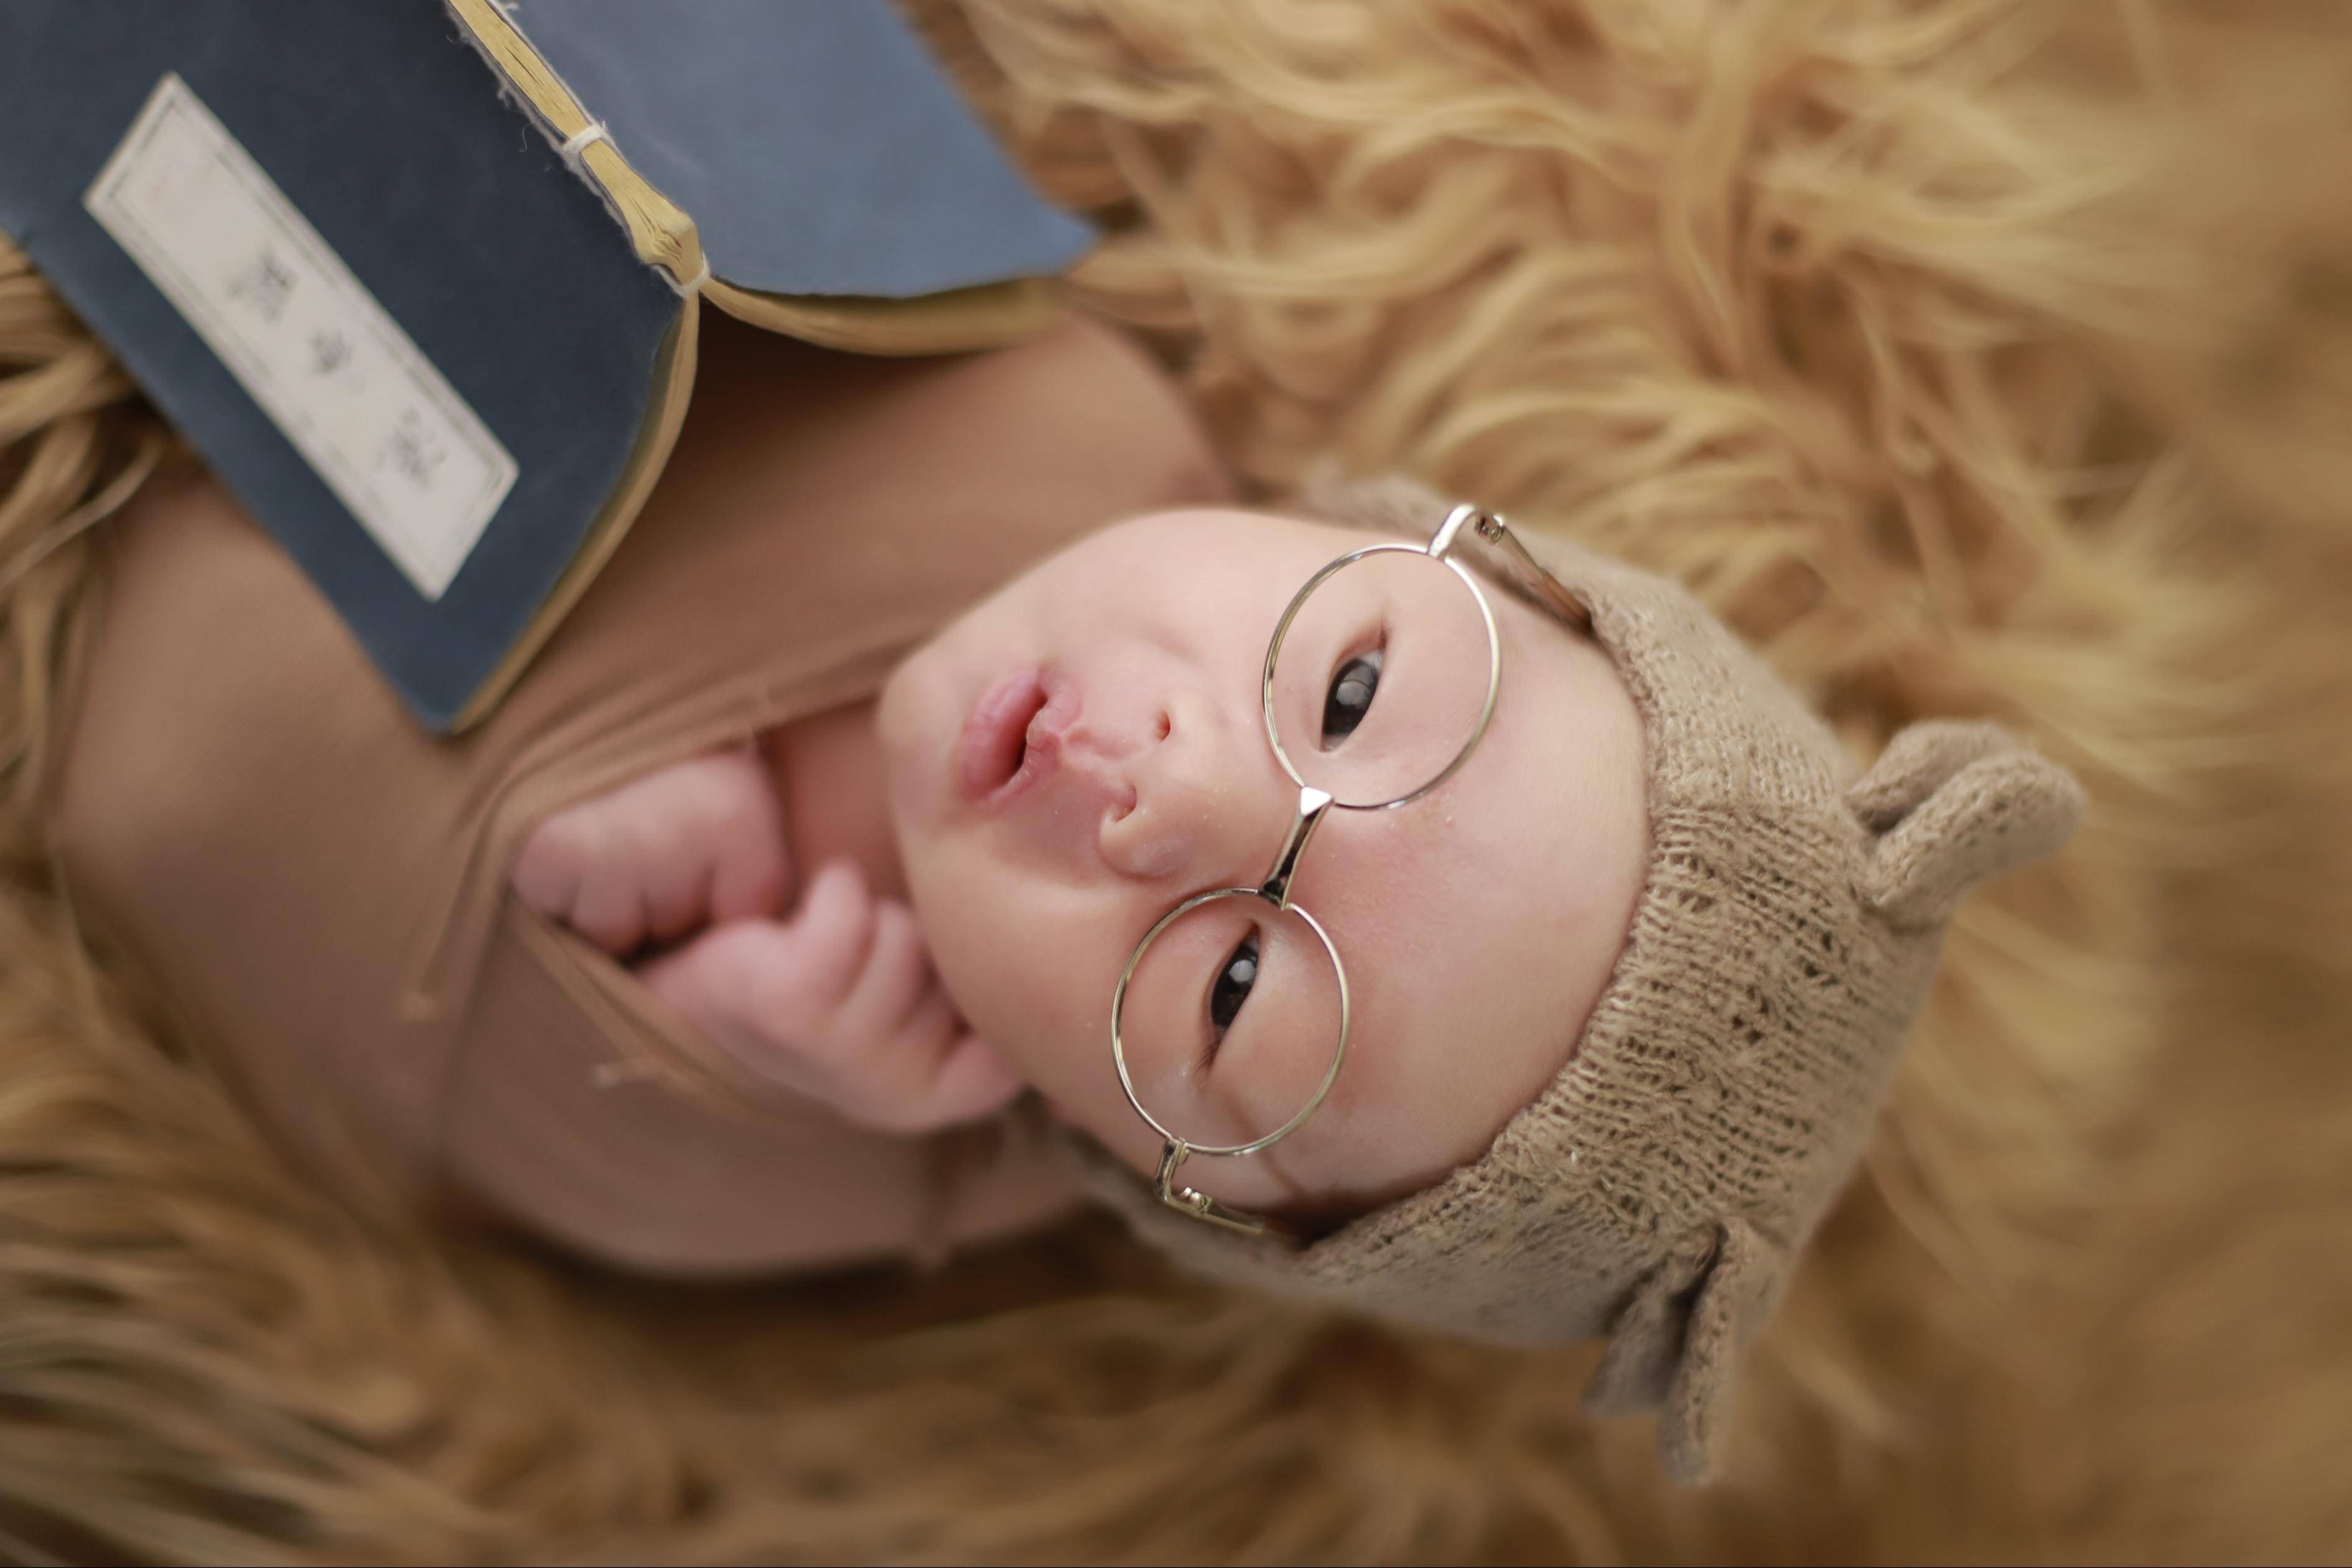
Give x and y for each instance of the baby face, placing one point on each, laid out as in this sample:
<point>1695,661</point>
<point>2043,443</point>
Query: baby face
<point>1086,748</point>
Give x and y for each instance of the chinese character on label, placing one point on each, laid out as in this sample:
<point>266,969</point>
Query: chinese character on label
<point>265,285</point>
<point>330,351</point>
<point>411,450</point>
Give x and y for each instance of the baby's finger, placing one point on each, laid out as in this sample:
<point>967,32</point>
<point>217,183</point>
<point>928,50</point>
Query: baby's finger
<point>752,870</point>
<point>781,980</point>
<point>676,894</point>
<point>970,1083</point>
<point>549,867</point>
<point>720,982</point>
<point>705,982</point>
<point>923,1072</point>
<point>832,932</point>
<point>894,977</point>
<point>885,1069</point>
<point>609,909</point>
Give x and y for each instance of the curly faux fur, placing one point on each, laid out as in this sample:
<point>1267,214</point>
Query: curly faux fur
<point>1976,357</point>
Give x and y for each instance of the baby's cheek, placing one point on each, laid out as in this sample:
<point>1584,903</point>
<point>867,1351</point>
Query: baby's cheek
<point>1046,1023</point>
<point>1028,967</point>
<point>978,960</point>
<point>1022,1010</point>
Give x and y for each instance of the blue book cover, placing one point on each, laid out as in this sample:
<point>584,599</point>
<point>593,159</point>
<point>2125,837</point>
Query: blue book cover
<point>420,280</point>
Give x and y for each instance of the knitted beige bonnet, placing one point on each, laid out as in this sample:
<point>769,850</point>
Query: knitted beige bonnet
<point>1726,1082</point>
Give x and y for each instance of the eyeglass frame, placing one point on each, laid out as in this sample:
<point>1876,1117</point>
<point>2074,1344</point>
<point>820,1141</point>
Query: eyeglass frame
<point>1314,804</point>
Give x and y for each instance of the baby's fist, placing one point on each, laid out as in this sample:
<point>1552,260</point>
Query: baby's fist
<point>692,843</point>
<point>838,1004</point>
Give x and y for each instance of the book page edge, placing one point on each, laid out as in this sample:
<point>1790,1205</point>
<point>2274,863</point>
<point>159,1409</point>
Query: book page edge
<point>984,316</point>
<point>664,416</point>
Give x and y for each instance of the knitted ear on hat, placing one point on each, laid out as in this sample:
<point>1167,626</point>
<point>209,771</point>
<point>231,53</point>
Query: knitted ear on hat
<point>1954,804</point>
<point>1675,1345</point>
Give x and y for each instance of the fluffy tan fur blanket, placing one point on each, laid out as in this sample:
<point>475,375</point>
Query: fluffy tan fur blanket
<point>1975,356</point>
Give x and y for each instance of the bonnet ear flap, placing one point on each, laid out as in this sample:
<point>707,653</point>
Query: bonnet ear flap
<point>1954,803</point>
<point>1675,1346</point>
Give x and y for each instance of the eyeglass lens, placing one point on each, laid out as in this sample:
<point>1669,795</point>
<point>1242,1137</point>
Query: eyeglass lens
<point>1381,678</point>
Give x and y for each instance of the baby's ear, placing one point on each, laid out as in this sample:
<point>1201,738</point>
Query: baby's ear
<point>1675,1346</point>
<point>1954,804</point>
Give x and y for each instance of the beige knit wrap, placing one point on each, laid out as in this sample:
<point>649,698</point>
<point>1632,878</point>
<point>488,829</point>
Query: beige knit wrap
<point>1726,1083</point>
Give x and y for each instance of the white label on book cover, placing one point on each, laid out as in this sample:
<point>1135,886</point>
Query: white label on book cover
<point>381,425</point>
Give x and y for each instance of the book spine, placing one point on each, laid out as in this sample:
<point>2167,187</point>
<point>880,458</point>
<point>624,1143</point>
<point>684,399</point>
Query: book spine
<point>661,232</point>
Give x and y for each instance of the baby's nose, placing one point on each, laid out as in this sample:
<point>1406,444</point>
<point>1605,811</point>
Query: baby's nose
<point>1200,807</point>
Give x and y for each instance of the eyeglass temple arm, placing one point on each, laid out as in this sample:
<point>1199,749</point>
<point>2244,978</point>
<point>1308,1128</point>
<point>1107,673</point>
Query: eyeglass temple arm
<point>1523,565</point>
<point>1200,1205</point>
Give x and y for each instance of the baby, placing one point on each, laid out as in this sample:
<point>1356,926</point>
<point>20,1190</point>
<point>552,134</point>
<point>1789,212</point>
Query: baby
<point>1079,753</point>
<point>1572,1024</point>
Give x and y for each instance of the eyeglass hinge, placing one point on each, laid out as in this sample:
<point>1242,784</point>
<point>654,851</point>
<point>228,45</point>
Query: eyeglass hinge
<point>1442,541</point>
<point>1485,524</point>
<point>1199,1205</point>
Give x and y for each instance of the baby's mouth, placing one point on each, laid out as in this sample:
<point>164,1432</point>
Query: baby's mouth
<point>1009,741</point>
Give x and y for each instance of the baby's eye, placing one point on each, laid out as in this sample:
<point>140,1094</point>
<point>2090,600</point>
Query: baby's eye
<point>1353,686</point>
<point>1231,986</point>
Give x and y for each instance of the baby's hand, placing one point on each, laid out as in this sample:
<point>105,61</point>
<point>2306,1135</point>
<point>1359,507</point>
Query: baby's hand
<point>838,1004</point>
<point>698,842</point>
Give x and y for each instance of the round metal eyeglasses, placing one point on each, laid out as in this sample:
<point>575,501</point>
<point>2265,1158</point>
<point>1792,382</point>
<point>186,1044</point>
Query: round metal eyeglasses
<point>1380,680</point>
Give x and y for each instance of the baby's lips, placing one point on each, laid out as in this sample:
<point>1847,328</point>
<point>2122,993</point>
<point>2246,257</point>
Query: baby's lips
<point>990,750</point>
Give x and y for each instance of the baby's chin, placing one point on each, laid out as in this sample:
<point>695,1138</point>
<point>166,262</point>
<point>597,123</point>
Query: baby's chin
<point>896,711</point>
<point>916,720</point>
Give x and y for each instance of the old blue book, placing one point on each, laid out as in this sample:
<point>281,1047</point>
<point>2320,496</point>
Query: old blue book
<point>421,278</point>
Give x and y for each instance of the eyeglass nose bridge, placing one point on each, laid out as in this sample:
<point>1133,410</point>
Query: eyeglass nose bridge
<point>1314,804</point>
